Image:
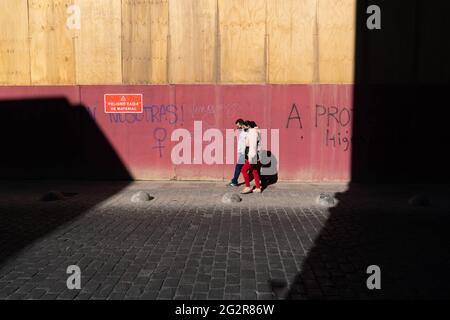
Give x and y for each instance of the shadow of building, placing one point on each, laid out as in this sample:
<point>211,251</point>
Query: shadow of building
<point>400,136</point>
<point>50,142</point>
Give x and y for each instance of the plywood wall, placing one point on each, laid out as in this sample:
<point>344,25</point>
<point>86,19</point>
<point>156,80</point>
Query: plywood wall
<point>193,41</point>
<point>336,29</point>
<point>242,41</point>
<point>98,46</point>
<point>178,41</point>
<point>14,43</point>
<point>144,45</point>
<point>292,41</point>
<point>51,42</point>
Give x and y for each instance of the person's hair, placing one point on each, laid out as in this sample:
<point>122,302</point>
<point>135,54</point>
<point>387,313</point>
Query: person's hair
<point>240,122</point>
<point>251,124</point>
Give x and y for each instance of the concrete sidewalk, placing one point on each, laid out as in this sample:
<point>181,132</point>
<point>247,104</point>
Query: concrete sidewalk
<point>187,244</point>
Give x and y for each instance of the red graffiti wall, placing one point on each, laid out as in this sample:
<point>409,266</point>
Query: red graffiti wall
<point>314,123</point>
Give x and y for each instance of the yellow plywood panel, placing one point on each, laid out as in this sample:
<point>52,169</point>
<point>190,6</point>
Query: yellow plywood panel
<point>98,46</point>
<point>14,43</point>
<point>242,41</point>
<point>193,38</point>
<point>52,46</point>
<point>291,28</point>
<point>144,45</point>
<point>336,20</point>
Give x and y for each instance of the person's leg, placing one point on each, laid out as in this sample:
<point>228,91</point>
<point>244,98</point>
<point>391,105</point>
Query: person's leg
<point>237,173</point>
<point>262,178</point>
<point>245,168</point>
<point>255,172</point>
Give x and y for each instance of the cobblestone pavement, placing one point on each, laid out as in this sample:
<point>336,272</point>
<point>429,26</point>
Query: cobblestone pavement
<point>187,244</point>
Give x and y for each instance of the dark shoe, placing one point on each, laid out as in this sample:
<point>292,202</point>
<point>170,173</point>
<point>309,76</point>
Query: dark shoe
<point>232,184</point>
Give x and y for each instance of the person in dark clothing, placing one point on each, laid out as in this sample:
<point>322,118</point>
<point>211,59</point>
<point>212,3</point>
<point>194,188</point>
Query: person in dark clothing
<point>242,133</point>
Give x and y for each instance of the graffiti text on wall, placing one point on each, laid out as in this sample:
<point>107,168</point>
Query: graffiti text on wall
<point>170,114</point>
<point>334,121</point>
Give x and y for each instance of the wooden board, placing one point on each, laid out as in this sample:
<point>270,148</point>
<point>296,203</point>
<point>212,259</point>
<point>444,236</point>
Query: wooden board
<point>228,41</point>
<point>336,27</point>
<point>52,46</point>
<point>193,40</point>
<point>291,29</point>
<point>14,43</point>
<point>98,46</point>
<point>144,44</point>
<point>242,41</point>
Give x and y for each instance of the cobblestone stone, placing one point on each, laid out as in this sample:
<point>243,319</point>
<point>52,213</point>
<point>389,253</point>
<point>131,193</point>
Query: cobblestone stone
<point>198,248</point>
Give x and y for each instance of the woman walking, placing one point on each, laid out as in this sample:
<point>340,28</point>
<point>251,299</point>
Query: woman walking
<point>252,163</point>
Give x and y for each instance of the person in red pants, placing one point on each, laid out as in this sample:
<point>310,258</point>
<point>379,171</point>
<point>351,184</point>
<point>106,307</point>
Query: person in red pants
<point>252,163</point>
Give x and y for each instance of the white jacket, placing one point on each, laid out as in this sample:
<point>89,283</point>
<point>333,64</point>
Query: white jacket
<point>252,141</point>
<point>241,141</point>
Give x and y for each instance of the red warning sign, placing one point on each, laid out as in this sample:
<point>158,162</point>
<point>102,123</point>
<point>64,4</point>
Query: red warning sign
<point>124,103</point>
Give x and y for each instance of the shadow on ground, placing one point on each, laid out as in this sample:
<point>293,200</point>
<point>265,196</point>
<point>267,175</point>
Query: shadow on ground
<point>400,137</point>
<point>269,169</point>
<point>53,140</point>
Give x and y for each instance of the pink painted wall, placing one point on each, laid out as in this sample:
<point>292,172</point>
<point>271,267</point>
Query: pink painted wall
<point>314,123</point>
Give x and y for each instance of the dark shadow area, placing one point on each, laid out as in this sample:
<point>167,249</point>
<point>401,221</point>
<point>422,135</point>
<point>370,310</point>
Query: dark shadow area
<point>400,137</point>
<point>51,139</point>
<point>269,172</point>
<point>55,146</point>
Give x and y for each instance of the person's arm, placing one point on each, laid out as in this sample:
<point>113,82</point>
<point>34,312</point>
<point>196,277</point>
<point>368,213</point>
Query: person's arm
<point>252,145</point>
<point>241,142</point>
